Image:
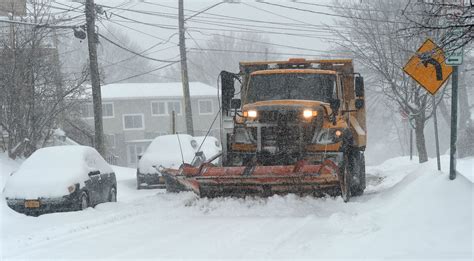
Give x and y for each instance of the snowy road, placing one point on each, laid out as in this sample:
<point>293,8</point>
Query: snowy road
<point>409,210</point>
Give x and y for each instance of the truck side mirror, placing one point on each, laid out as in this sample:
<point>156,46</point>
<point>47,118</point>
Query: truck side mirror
<point>335,104</point>
<point>359,86</point>
<point>359,103</point>
<point>94,172</point>
<point>228,89</point>
<point>235,103</point>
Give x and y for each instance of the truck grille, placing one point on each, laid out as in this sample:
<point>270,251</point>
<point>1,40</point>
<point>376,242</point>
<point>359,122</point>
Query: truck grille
<point>278,116</point>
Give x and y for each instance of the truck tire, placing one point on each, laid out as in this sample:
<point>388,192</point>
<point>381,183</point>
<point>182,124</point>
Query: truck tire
<point>346,170</point>
<point>358,182</point>
<point>139,186</point>
<point>345,176</point>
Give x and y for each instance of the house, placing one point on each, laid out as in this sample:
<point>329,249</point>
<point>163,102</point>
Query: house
<point>135,113</point>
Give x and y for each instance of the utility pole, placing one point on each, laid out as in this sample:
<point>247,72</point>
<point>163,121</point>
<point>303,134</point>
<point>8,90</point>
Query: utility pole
<point>173,122</point>
<point>184,71</point>
<point>92,40</point>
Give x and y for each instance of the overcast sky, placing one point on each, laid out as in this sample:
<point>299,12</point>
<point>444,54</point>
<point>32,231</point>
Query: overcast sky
<point>237,16</point>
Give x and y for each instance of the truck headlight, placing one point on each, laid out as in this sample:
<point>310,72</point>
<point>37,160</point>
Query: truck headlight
<point>71,188</point>
<point>250,114</point>
<point>309,114</point>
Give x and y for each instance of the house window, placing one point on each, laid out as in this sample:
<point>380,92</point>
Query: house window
<point>87,110</point>
<point>108,110</point>
<point>133,122</point>
<point>158,108</point>
<point>133,152</point>
<point>174,106</point>
<point>110,139</point>
<point>164,108</point>
<point>205,107</point>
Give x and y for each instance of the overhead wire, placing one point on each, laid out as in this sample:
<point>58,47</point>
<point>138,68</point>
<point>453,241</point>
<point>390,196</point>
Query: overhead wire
<point>262,42</point>
<point>254,52</point>
<point>144,73</point>
<point>138,31</point>
<point>134,52</point>
<point>329,14</point>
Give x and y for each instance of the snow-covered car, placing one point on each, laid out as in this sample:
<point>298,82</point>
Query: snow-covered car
<point>62,178</point>
<point>166,151</point>
<point>211,147</point>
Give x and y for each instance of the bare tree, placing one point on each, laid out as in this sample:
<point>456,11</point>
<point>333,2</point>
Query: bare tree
<point>374,33</point>
<point>452,20</point>
<point>34,91</point>
<point>221,52</point>
<point>115,63</point>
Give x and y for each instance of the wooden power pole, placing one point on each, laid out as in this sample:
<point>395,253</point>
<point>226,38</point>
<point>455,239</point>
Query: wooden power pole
<point>184,72</point>
<point>92,40</point>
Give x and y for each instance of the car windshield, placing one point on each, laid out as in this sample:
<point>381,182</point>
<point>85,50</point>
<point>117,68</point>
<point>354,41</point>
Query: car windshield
<point>299,86</point>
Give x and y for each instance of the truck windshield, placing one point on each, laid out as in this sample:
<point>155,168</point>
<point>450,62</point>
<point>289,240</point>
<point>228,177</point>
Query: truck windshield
<point>299,86</point>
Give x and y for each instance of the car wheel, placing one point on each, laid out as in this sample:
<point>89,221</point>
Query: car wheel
<point>139,182</point>
<point>113,195</point>
<point>83,201</point>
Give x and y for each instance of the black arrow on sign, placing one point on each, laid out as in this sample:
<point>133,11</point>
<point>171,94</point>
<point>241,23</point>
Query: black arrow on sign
<point>427,59</point>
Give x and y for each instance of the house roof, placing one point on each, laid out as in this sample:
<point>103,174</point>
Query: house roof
<point>150,90</point>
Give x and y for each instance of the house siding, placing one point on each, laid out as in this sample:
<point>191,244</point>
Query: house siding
<point>153,125</point>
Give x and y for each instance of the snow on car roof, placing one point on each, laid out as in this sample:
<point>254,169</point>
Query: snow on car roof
<point>49,171</point>
<point>66,157</point>
<point>147,90</point>
<point>166,151</point>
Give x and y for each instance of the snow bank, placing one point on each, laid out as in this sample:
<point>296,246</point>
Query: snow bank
<point>7,166</point>
<point>412,211</point>
<point>49,171</point>
<point>465,167</point>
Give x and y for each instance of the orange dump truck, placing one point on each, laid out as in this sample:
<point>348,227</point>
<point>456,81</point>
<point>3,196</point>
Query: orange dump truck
<point>295,126</point>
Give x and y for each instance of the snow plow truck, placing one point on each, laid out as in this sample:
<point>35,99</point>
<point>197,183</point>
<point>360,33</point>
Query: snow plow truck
<point>295,126</point>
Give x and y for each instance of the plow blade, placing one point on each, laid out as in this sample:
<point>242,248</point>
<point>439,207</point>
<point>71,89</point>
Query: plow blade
<point>211,181</point>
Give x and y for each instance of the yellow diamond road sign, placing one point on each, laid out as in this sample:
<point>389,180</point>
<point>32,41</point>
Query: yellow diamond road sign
<point>427,67</point>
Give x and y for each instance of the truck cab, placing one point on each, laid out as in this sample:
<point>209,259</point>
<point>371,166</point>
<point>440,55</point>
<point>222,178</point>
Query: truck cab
<point>295,110</point>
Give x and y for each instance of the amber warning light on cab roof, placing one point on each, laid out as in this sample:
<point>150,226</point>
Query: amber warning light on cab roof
<point>296,60</point>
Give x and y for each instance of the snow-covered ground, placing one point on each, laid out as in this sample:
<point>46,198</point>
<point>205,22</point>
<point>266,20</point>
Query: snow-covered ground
<point>408,211</point>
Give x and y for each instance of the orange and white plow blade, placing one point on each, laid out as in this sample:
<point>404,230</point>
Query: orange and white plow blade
<point>211,181</point>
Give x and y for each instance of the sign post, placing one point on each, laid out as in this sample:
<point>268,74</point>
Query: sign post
<point>454,124</point>
<point>454,57</point>
<point>435,120</point>
<point>429,68</point>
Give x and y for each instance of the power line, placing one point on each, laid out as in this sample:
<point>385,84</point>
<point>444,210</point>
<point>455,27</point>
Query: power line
<point>239,26</point>
<point>136,53</point>
<point>144,73</point>
<point>254,52</point>
<point>264,43</point>
<point>149,24</point>
<point>313,36</point>
<point>357,9</point>
<point>329,14</point>
<point>202,11</point>
<point>144,33</point>
<point>39,25</point>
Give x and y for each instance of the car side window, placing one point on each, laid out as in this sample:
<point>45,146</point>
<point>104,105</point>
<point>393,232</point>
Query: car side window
<point>91,162</point>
